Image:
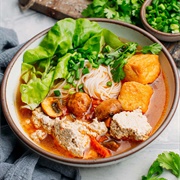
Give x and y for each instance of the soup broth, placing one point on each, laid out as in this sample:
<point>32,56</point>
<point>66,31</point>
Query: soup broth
<point>155,112</point>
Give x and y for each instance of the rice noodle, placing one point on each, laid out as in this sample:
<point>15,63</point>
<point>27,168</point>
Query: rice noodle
<point>95,84</point>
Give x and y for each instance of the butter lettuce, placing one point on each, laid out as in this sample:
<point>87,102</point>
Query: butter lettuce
<point>97,42</point>
<point>49,60</point>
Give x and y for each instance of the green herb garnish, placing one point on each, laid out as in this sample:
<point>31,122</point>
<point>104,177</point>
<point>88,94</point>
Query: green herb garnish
<point>124,10</point>
<point>57,92</point>
<point>167,160</point>
<point>164,15</point>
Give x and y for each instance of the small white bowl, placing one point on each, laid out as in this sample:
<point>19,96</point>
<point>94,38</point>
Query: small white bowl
<point>128,32</point>
<point>168,37</point>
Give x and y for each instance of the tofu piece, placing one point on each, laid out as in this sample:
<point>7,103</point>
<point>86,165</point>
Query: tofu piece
<point>142,68</point>
<point>74,135</point>
<point>130,125</point>
<point>134,95</point>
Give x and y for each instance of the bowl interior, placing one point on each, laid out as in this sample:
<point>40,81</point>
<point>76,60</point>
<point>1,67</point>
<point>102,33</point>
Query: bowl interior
<point>126,31</point>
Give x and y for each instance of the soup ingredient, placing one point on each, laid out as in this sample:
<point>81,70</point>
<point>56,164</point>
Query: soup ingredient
<point>111,144</point>
<point>78,104</point>
<point>169,161</point>
<point>95,84</point>
<point>75,135</point>
<point>57,92</point>
<point>154,48</point>
<point>134,95</point>
<point>52,106</point>
<point>99,148</point>
<point>41,120</point>
<point>124,10</point>
<point>71,139</point>
<point>164,15</point>
<point>130,125</point>
<point>107,109</point>
<point>121,57</point>
<point>142,68</point>
<point>38,135</point>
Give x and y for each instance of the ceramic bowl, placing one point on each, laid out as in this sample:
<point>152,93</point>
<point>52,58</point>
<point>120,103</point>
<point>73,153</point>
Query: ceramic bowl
<point>167,37</point>
<point>127,31</point>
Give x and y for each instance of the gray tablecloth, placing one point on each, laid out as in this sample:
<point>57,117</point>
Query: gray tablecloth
<point>17,162</point>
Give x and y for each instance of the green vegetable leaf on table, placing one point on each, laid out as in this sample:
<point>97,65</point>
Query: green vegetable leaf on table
<point>124,10</point>
<point>167,160</point>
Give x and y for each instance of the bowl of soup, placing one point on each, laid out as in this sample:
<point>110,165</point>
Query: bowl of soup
<point>90,92</point>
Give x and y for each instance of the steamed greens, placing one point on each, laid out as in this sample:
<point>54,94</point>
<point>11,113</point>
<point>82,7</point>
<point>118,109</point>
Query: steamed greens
<point>62,53</point>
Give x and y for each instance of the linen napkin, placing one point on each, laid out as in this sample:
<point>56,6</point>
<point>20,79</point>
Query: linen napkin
<point>17,162</point>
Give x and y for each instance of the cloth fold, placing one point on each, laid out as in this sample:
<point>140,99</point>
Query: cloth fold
<point>17,162</point>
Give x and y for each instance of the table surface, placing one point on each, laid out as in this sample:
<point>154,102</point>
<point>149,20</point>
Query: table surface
<point>27,24</point>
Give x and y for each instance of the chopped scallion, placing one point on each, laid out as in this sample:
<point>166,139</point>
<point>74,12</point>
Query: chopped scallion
<point>81,65</point>
<point>85,71</point>
<point>77,74</point>
<point>67,86</point>
<point>57,92</point>
<point>70,79</point>
<point>80,86</point>
<point>109,83</point>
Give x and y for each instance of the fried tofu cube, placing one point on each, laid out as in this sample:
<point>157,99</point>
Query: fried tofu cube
<point>134,95</point>
<point>142,68</point>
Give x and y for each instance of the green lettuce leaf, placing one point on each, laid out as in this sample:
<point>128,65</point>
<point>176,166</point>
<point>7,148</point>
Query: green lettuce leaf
<point>57,41</point>
<point>36,90</point>
<point>61,70</point>
<point>84,30</point>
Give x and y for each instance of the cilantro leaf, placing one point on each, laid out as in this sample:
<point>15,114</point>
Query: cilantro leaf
<point>170,161</point>
<point>154,48</point>
<point>167,160</point>
<point>124,10</point>
<point>121,57</point>
<point>154,171</point>
<point>110,13</point>
<point>99,2</point>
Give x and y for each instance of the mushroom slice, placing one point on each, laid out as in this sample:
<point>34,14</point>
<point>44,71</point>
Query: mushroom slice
<point>52,107</point>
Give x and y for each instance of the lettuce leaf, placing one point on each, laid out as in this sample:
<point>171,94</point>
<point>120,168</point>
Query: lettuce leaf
<point>35,90</point>
<point>99,40</point>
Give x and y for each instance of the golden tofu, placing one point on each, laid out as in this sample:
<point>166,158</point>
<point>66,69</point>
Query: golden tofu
<point>134,95</point>
<point>142,68</point>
